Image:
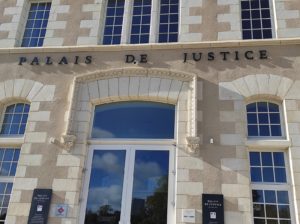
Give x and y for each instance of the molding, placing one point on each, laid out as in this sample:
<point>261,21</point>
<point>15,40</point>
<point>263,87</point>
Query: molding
<point>11,141</point>
<point>268,143</point>
<point>156,46</point>
<point>193,143</point>
<point>66,142</point>
<point>142,72</point>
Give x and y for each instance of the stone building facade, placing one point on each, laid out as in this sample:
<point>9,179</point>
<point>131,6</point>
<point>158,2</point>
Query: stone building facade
<point>211,76</point>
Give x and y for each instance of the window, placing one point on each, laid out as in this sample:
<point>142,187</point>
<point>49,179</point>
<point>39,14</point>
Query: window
<point>8,159</point>
<point>168,26</point>
<point>131,183</point>
<point>256,19</point>
<point>270,191</point>
<point>35,29</point>
<point>15,119</point>
<point>113,22</point>
<point>141,16</point>
<point>140,27</point>
<point>263,119</point>
<point>146,120</point>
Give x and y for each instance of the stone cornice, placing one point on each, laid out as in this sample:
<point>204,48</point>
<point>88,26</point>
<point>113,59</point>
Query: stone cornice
<point>125,72</point>
<point>156,46</point>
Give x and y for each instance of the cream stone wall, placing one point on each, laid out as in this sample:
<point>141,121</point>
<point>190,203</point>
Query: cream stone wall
<point>210,99</point>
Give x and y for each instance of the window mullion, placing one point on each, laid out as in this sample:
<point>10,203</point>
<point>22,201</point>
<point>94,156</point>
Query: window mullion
<point>128,186</point>
<point>126,25</point>
<point>154,21</point>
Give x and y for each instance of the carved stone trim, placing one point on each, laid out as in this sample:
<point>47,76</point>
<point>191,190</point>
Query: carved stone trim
<point>67,142</point>
<point>113,73</point>
<point>193,143</point>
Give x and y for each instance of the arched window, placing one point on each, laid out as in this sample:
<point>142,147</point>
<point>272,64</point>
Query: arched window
<point>131,183</point>
<point>264,119</point>
<point>15,119</point>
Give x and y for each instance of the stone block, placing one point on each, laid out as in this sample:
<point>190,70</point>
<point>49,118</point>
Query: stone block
<point>190,163</point>
<point>68,160</point>
<point>36,137</point>
<point>236,190</point>
<point>39,116</point>
<point>65,185</point>
<point>190,188</point>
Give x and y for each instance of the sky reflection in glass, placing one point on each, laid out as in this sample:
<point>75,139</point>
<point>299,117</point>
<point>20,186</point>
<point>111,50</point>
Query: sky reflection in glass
<point>150,187</point>
<point>105,188</point>
<point>134,120</point>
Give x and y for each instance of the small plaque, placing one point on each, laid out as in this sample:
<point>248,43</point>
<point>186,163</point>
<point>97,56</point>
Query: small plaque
<point>188,215</point>
<point>213,208</point>
<point>40,205</point>
<point>61,210</point>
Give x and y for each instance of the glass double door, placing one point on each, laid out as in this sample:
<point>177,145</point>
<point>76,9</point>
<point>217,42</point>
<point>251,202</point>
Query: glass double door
<point>128,185</point>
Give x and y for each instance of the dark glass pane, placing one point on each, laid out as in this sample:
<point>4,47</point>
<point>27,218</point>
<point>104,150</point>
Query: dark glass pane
<point>174,9</point>
<point>8,188</point>
<point>164,9</point>
<point>16,155</point>
<point>16,118</point>
<point>42,33</point>
<point>262,106</point>
<point>264,3</point>
<point>280,176</point>
<point>258,210</point>
<point>266,23</point>
<point>118,21</point>
<point>26,108</point>
<point>259,221</point>
<point>276,130</point>
<point>273,107</point>
<point>246,14</point>
<point>108,30</point>
<point>255,159</point>
<point>247,34</point>
<point>173,38</point>
<point>134,120</point>
<point>256,24</point>
<point>256,175</point>
<point>13,169</point>
<point>275,118</point>
<point>285,222</point>
<point>284,211</point>
<point>109,21</point>
<point>144,38</point>
<point>10,109</point>
<point>252,130</point>
<point>270,197</point>
<point>255,14</point>
<point>117,30</point>
<point>267,33</point>
<point>119,11</point>
<point>163,28</point>
<point>164,19</point>
<point>14,129</point>
<point>33,42</point>
<point>5,201</point>
<point>264,130</point>
<point>263,118</point>
<point>245,5</point>
<point>268,175</point>
<point>257,196</point>
<point>150,187</point>
<point>1,154</point>
<point>7,118</point>
<point>254,4</point>
<point>272,221</point>
<point>267,159</point>
<point>257,34</point>
<point>265,13</point>
<point>134,39</point>
<point>137,10</point>
<point>282,197</point>
<point>278,159</point>
<point>174,18</point>
<point>145,19</point>
<point>45,22</point>
<point>163,38</point>
<point>8,155</point>
<point>246,24</point>
<point>27,33</point>
<point>107,40</point>
<point>147,10</point>
<point>5,169</point>
<point>271,211</point>
<point>38,23</point>
<point>22,129</point>
<point>117,40</point>
<point>251,107</point>
<point>136,20</point>
<point>145,29</point>
<point>2,187</point>
<point>105,187</point>
<point>173,28</point>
